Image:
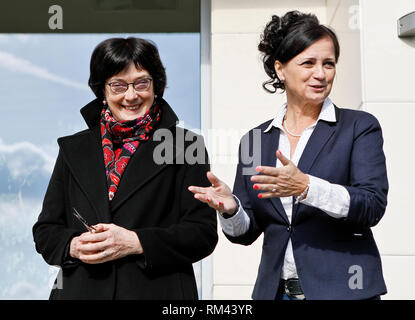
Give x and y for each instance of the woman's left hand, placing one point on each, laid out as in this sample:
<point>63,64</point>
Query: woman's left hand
<point>285,181</point>
<point>108,242</point>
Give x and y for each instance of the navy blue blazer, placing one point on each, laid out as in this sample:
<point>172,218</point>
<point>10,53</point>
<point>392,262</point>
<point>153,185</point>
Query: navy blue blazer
<point>335,258</point>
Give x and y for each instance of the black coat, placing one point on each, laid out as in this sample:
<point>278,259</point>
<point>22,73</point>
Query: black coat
<point>175,229</point>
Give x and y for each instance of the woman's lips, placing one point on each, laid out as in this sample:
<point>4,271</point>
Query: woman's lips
<point>318,88</point>
<point>134,107</point>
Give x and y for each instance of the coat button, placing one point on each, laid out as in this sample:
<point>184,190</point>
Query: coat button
<point>289,228</point>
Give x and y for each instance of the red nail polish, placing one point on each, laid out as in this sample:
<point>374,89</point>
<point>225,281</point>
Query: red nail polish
<point>260,196</point>
<point>256,187</point>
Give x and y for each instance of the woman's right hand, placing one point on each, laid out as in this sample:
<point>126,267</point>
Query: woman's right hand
<point>218,196</point>
<point>74,247</point>
<point>77,247</point>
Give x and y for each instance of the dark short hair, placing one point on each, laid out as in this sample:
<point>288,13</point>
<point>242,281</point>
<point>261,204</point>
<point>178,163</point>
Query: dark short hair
<point>284,38</point>
<point>113,55</point>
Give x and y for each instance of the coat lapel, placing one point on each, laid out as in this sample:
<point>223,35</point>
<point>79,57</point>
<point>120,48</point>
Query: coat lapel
<point>141,169</point>
<point>269,145</point>
<point>320,136</point>
<point>142,166</point>
<point>83,155</point>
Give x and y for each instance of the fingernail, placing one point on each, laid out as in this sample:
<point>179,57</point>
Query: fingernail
<point>256,187</point>
<point>260,196</point>
<point>258,169</point>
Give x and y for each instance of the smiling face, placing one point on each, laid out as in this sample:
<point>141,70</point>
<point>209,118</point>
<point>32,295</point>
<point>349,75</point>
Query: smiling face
<point>308,77</point>
<point>131,104</point>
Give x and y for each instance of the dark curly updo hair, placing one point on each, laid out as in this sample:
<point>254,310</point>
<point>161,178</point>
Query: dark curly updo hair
<point>113,55</point>
<point>285,37</point>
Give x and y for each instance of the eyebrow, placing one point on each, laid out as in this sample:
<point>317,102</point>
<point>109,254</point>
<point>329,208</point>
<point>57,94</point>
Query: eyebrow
<point>138,78</point>
<point>313,58</point>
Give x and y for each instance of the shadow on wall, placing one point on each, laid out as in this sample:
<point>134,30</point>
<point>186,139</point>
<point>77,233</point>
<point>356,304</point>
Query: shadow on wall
<point>409,41</point>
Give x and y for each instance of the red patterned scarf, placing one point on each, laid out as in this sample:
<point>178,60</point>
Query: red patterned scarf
<point>120,139</point>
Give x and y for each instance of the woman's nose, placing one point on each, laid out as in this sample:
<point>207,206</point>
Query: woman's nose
<point>130,94</point>
<point>319,72</point>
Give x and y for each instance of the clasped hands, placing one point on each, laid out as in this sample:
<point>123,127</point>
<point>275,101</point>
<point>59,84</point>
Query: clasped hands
<point>107,242</point>
<point>285,181</point>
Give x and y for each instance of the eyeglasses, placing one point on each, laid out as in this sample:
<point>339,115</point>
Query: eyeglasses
<point>139,85</point>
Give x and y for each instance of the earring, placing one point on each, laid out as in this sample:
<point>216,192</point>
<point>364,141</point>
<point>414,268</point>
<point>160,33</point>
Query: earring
<point>104,102</point>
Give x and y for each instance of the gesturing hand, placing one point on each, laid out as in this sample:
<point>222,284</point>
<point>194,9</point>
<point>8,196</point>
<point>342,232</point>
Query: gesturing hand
<point>285,181</point>
<point>108,242</point>
<point>218,196</point>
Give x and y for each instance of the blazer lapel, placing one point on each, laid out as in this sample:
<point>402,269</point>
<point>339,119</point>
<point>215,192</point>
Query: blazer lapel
<point>315,144</point>
<point>269,145</point>
<point>83,155</point>
<point>320,136</point>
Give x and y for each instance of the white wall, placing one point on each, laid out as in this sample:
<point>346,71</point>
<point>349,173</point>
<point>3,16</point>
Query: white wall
<point>343,17</point>
<point>388,93</point>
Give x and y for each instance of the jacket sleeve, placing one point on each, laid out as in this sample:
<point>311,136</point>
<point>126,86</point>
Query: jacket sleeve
<point>368,178</point>
<point>240,190</point>
<point>51,234</point>
<point>187,241</point>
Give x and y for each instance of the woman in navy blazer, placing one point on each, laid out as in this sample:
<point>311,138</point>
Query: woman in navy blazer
<point>315,184</point>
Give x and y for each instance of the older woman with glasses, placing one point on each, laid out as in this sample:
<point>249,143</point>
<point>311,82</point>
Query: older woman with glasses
<point>321,182</point>
<point>120,223</point>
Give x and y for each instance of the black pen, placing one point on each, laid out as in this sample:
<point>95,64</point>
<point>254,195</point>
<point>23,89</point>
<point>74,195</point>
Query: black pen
<point>83,221</point>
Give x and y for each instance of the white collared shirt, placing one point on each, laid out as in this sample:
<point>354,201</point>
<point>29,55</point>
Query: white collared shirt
<point>331,198</point>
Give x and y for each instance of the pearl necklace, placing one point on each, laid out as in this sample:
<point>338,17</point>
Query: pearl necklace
<point>288,131</point>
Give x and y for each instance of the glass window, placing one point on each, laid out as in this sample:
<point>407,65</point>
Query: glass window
<point>44,66</point>
<point>43,85</point>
